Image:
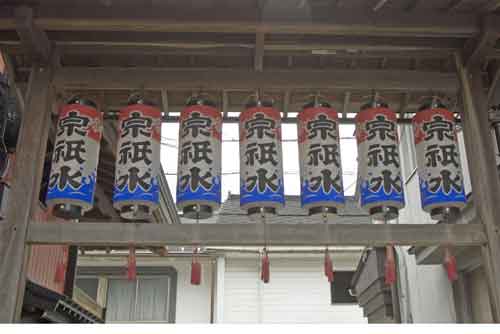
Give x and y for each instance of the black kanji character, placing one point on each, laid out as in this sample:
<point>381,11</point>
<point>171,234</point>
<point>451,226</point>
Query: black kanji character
<point>69,150</point>
<point>133,179</point>
<point>196,152</point>
<point>197,124</point>
<point>446,182</point>
<point>440,127</point>
<point>382,127</point>
<point>73,123</point>
<point>386,154</point>
<point>135,151</point>
<point>64,177</point>
<point>325,153</point>
<point>261,181</point>
<point>326,180</point>
<point>261,125</point>
<point>137,125</point>
<point>387,182</point>
<point>445,154</point>
<point>324,126</point>
<point>195,180</point>
<point>263,153</point>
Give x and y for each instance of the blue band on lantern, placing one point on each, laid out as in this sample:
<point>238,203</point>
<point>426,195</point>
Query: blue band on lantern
<point>320,196</point>
<point>430,198</point>
<point>84,193</point>
<point>200,194</point>
<point>368,197</point>
<point>138,194</point>
<point>268,195</point>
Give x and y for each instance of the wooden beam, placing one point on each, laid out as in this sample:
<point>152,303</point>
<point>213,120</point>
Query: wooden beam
<point>34,40</point>
<point>477,48</point>
<point>115,234</point>
<point>342,21</point>
<point>494,89</point>
<point>25,190</point>
<point>483,171</point>
<point>158,78</point>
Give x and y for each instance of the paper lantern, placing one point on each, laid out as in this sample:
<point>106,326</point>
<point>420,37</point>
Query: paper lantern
<point>74,160</point>
<point>438,159</point>
<point>136,191</point>
<point>199,162</point>
<point>261,164</point>
<point>319,153</point>
<point>379,171</point>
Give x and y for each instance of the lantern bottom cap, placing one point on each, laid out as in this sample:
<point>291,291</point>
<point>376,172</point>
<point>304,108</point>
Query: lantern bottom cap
<point>384,213</point>
<point>261,211</point>
<point>197,211</point>
<point>331,210</point>
<point>135,212</point>
<point>444,213</point>
<point>67,211</point>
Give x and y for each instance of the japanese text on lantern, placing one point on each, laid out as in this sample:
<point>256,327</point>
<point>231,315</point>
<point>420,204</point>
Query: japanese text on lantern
<point>260,156</point>
<point>75,155</point>
<point>199,156</point>
<point>441,181</point>
<point>319,150</point>
<point>137,164</point>
<point>379,161</point>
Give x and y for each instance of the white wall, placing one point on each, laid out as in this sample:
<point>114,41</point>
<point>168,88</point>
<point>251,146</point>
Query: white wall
<point>298,291</point>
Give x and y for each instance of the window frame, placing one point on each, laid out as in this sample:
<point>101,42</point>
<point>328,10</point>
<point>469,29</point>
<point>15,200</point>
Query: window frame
<point>111,272</point>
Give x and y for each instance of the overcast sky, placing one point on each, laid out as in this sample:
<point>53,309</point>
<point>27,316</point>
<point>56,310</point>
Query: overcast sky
<point>231,160</point>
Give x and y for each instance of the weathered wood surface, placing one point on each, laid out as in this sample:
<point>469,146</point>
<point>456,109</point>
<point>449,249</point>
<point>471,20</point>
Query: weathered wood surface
<point>251,234</point>
<point>25,188</point>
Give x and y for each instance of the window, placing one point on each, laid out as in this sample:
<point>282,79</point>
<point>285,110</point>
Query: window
<point>143,300</point>
<point>339,288</point>
<point>150,298</point>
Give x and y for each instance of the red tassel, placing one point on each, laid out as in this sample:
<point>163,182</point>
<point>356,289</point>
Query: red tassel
<point>450,263</point>
<point>60,274</point>
<point>195,270</point>
<point>328,267</point>
<point>131,265</point>
<point>390,265</point>
<point>264,274</point>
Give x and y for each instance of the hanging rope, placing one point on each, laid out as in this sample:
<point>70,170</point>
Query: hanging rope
<point>195,264</point>
<point>62,266</point>
<point>328,264</point>
<point>390,265</point>
<point>131,265</point>
<point>265,263</point>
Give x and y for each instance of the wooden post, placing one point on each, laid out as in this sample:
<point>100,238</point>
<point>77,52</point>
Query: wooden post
<point>25,189</point>
<point>483,172</point>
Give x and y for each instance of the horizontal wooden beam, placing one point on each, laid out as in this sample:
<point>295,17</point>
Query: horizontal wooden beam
<point>239,19</point>
<point>161,78</point>
<point>254,234</point>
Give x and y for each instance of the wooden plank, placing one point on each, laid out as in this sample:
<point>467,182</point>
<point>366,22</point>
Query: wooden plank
<point>483,171</point>
<point>116,234</point>
<point>491,6</point>
<point>158,78</point>
<point>25,189</point>
<point>346,21</point>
